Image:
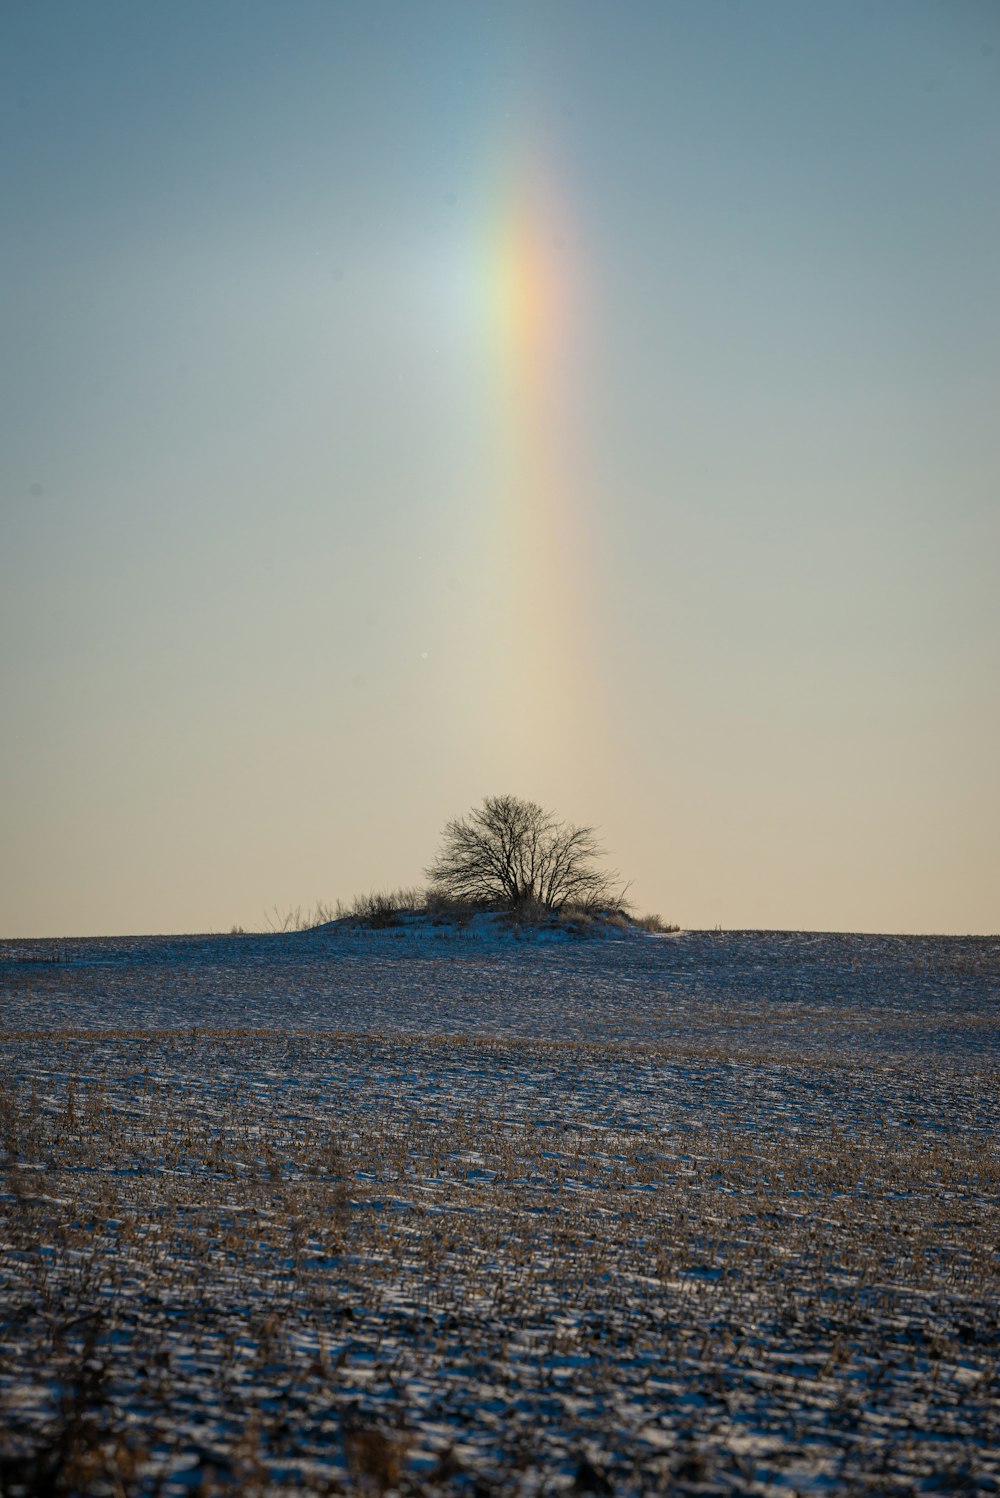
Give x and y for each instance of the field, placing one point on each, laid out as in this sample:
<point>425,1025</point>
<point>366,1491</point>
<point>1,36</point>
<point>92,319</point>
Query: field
<point>421,1212</point>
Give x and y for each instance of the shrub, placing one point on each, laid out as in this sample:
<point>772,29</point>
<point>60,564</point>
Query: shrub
<point>656,925</point>
<point>381,908</point>
<point>444,910</point>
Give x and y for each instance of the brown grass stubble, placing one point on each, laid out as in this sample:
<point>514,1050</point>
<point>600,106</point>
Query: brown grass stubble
<point>290,1265</point>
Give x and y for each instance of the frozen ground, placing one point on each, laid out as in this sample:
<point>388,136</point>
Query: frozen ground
<point>427,1213</point>
<point>867,997</point>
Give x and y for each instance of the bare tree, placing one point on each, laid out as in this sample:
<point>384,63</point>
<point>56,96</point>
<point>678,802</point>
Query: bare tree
<point>510,853</point>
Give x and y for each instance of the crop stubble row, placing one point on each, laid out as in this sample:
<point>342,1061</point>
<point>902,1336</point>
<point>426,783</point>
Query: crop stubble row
<point>279,1261</point>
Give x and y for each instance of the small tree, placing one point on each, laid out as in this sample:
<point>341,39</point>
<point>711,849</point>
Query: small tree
<point>512,854</point>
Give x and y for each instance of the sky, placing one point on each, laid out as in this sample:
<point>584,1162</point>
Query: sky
<point>595,402</point>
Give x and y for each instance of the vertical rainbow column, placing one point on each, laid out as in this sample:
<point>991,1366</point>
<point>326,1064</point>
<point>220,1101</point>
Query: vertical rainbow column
<point>542,668</point>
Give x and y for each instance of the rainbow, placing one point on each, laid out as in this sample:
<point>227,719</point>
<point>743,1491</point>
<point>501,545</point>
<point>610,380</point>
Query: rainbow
<point>542,671</point>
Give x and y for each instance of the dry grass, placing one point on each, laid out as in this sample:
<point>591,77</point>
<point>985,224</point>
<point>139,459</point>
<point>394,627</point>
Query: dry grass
<point>274,1262</point>
<point>381,908</point>
<point>298,918</point>
<point>655,925</point>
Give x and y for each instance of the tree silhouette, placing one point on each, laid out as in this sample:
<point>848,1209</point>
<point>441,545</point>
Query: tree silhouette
<point>512,854</point>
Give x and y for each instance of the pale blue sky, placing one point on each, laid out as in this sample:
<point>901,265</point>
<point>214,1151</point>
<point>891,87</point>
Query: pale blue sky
<point>252,616</point>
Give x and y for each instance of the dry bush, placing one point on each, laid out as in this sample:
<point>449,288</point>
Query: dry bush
<point>445,910</point>
<point>587,920</point>
<point>381,908</point>
<point>655,925</point>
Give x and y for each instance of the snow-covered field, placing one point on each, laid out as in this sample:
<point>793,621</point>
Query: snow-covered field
<point>430,1211</point>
